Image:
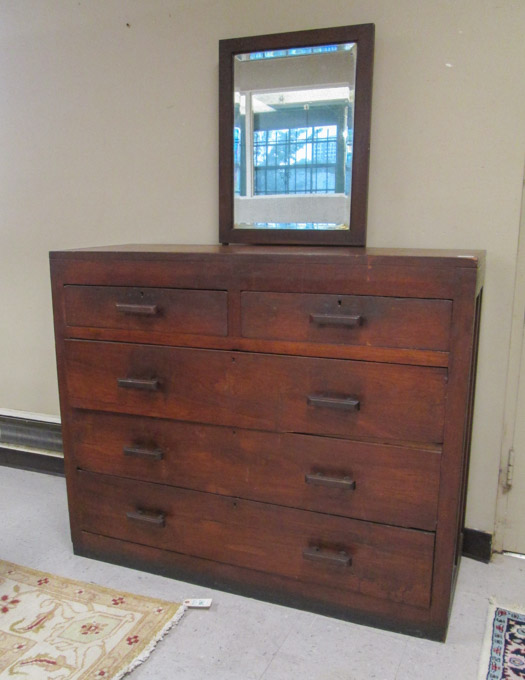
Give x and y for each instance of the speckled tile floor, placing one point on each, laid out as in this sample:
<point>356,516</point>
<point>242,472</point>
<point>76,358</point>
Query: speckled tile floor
<point>244,639</point>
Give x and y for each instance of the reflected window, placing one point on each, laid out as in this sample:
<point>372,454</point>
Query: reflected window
<point>296,148</point>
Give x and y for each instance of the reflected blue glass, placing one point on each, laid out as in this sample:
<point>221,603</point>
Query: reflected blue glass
<point>291,225</point>
<point>295,52</point>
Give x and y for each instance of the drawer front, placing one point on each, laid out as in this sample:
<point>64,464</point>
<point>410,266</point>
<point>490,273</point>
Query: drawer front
<point>347,319</point>
<point>352,479</point>
<point>375,560</point>
<point>278,393</point>
<point>147,309</point>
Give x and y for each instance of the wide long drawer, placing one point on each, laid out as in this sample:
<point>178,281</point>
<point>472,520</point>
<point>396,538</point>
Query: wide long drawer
<point>147,309</point>
<point>277,393</point>
<point>390,484</point>
<point>353,556</point>
<point>347,319</point>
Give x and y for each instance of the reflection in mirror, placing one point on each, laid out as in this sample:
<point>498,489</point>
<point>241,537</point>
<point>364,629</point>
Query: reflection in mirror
<point>293,137</point>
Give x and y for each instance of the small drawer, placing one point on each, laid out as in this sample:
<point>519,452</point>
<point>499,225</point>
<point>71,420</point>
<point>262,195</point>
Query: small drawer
<point>335,397</point>
<point>373,482</point>
<point>347,319</point>
<point>349,555</point>
<point>167,310</point>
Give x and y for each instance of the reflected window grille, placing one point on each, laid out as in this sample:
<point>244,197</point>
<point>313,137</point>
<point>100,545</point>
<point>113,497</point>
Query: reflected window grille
<point>295,161</point>
<point>293,150</point>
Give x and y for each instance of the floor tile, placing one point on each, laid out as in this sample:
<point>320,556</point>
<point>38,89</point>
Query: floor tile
<point>503,579</point>
<point>329,649</point>
<point>458,656</point>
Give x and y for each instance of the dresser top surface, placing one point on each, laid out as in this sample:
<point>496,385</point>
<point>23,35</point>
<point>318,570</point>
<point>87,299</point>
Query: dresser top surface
<point>329,255</point>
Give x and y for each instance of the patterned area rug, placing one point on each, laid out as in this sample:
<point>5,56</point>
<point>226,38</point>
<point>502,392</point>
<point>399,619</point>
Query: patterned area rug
<point>54,628</point>
<point>503,655</point>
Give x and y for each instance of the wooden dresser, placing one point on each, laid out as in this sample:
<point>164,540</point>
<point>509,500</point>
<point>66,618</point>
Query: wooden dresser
<point>289,423</point>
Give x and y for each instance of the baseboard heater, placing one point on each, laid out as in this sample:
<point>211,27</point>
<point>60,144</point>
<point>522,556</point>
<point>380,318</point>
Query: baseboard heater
<point>31,443</point>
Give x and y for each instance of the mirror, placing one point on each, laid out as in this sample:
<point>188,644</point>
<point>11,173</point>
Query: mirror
<point>294,136</point>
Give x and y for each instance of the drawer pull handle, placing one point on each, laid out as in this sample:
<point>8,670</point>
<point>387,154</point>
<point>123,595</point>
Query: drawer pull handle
<point>137,310</point>
<point>316,554</point>
<point>324,480</point>
<point>141,452</point>
<point>350,321</point>
<point>148,384</point>
<point>342,403</point>
<point>157,519</point>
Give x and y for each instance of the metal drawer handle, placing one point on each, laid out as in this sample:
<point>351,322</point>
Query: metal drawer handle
<point>324,480</point>
<point>157,519</point>
<point>142,452</point>
<point>342,403</point>
<point>148,384</point>
<point>316,554</point>
<point>138,310</point>
<point>350,321</point>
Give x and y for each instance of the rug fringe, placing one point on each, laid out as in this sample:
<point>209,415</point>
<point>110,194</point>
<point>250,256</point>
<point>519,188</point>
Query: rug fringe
<point>486,646</point>
<point>146,652</point>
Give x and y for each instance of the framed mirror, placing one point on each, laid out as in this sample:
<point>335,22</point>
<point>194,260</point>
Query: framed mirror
<point>294,136</point>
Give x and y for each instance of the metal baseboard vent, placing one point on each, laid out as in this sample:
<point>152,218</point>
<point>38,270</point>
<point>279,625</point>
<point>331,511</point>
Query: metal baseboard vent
<point>31,435</point>
<point>31,444</point>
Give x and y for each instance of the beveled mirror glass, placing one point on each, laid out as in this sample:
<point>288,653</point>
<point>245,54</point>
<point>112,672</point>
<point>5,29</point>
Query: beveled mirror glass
<point>294,136</point>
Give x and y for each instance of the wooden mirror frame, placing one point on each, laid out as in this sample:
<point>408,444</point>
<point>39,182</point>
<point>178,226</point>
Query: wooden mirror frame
<point>363,36</point>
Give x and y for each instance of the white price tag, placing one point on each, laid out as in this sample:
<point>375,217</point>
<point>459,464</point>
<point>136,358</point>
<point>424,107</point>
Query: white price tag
<point>198,603</point>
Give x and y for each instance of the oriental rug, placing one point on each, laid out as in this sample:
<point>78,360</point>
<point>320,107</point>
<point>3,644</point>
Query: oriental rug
<point>54,628</point>
<point>503,654</point>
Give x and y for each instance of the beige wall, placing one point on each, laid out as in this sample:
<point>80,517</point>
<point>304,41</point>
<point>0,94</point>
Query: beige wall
<point>108,133</point>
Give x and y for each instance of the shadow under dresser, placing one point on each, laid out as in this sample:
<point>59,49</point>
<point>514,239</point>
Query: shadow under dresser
<point>289,423</point>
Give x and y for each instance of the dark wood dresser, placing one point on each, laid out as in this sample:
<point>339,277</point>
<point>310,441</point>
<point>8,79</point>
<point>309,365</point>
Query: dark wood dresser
<point>289,423</point>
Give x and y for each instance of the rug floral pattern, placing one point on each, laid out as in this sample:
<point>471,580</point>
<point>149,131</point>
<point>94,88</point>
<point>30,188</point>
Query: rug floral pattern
<point>52,628</point>
<point>507,653</point>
